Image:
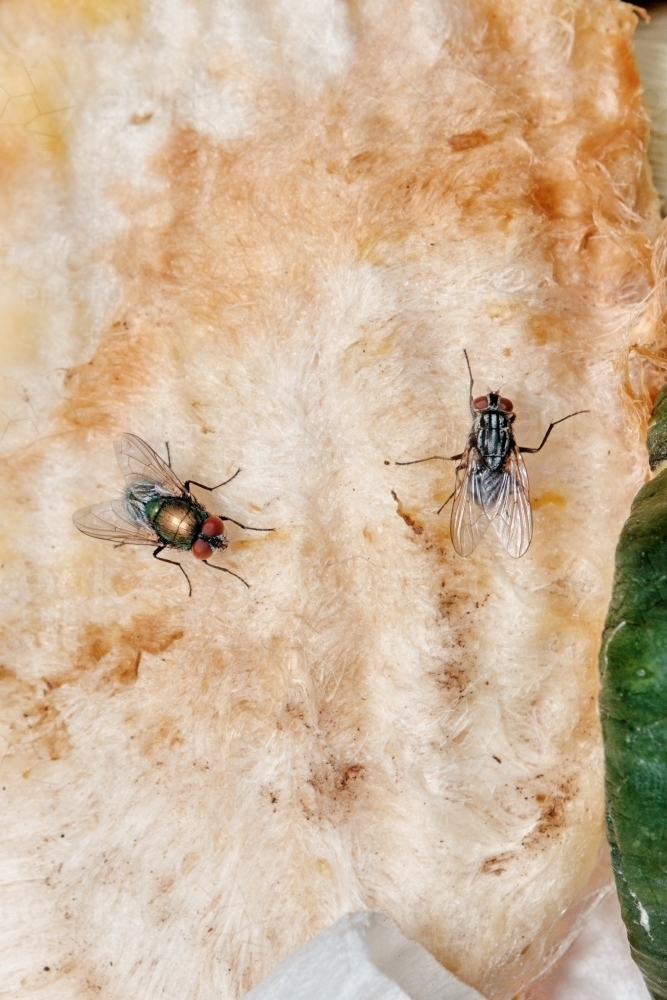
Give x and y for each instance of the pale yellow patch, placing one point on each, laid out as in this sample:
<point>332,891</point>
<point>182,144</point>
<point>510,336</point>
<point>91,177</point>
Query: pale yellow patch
<point>35,98</point>
<point>93,12</point>
<point>19,344</point>
<point>548,497</point>
<point>503,312</point>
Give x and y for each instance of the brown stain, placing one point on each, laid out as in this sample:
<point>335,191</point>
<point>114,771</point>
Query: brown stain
<point>409,520</point>
<point>122,645</point>
<point>165,885</point>
<point>607,181</point>
<point>189,862</point>
<point>468,140</point>
<point>498,37</point>
<point>561,197</point>
<point>454,680</point>
<point>460,669</point>
<point>336,784</point>
<point>553,800</point>
<point>550,327</point>
<point>497,864</point>
<point>32,717</point>
<point>271,797</point>
<point>163,736</point>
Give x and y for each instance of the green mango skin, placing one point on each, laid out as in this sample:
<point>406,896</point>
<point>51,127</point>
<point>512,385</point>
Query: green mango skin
<point>656,435</point>
<point>633,712</point>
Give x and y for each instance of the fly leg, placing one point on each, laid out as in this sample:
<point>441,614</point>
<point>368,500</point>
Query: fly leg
<point>156,555</point>
<point>443,458</point>
<point>209,488</point>
<point>453,493</point>
<point>246,527</point>
<point>166,444</point>
<point>533,451</point>
<point>223,570</point>
<point>446,502</point>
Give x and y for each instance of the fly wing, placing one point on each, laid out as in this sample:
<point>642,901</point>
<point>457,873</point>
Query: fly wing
<point>139,464</point>
<point>469,518</point>
<point>116,521</point>
<point>510,513</point>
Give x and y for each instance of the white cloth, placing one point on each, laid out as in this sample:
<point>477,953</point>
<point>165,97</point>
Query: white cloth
<point>363,956</point>
<point>597,966</point>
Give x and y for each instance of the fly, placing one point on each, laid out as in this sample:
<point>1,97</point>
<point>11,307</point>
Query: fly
<point>158,509</point>
<point>491,477</point>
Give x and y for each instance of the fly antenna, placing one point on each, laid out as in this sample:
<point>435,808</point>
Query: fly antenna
<point>472,381</point>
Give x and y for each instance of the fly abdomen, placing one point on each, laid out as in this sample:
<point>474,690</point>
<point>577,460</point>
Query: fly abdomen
<point>176,521</point>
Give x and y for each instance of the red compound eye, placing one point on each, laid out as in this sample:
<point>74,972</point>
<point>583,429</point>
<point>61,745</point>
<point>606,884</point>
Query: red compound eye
<point>212,526</point>
<point>480,403</point>
<point>201,549</point>
<point>506,404</point>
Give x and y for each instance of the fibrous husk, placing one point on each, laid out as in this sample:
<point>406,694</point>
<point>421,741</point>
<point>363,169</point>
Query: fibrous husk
<point>265,234</point>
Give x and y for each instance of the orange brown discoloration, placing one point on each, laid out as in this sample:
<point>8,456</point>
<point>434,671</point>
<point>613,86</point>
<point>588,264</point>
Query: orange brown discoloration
<point>498,864</point>
<point>119,365</point>
<point>549,327</point>
<point>122,647</point>
<point>34,721</point>
<point>409,520</point>
<point>337,785</point>
<point>553,812</point>
<point>548,497</point>
<point>468,140</point>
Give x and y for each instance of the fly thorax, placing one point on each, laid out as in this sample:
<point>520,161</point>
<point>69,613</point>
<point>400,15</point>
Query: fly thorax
<point>493,439</point>
<point>176,521</point>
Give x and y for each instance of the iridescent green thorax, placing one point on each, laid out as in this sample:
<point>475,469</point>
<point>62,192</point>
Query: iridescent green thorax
<point>176,521</point>
<point>656,436</point>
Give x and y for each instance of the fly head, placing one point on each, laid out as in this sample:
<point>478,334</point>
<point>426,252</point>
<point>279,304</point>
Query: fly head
<point>211,536</point>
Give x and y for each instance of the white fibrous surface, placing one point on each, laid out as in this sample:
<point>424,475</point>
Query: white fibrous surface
<point>265,233</point>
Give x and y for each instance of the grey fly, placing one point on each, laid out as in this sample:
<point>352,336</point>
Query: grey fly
<point>491,477</point>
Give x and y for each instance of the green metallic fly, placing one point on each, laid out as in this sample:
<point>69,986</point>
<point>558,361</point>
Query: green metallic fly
<point>158,509</point>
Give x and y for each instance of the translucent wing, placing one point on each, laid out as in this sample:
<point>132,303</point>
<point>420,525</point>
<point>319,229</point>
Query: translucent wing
<point>469,518</point>
<point>139,464</point>
<point>116,521</point>
<point>511,514</point>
